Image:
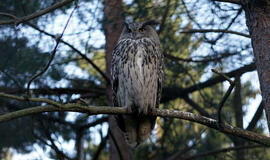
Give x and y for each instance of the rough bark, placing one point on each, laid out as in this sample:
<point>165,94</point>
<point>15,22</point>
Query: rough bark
<point>112,26</point>
<point>258,22</point>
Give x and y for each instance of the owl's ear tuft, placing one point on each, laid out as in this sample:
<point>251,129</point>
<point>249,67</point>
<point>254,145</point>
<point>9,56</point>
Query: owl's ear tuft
<point>127,26</point>
<point>152,23</point>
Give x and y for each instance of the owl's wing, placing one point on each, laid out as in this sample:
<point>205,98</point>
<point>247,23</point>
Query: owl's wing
<point>114,76</point>
<point>160,76</point>
<point>114,81</point>
<point>160,70</point>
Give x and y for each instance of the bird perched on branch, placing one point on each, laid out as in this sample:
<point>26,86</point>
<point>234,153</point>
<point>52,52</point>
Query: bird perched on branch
<point>137,76</point>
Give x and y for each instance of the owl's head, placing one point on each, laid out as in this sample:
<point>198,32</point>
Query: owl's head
<point>138,30</point>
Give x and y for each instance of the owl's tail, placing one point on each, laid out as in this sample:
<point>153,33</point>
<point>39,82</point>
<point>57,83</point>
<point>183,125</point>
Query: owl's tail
<point>137,130</point>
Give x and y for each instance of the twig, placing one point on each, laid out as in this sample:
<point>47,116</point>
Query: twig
<point>48,101</point>
<point>74,49</point>
<point>215,31</point>
<point>176,92</point>
<point>17,20</point>
<point>230,1</point>
<point>203,59</point>
<point>164,17</point>
<point>225,97</point>
<point>200,155</point>
<point>223,75</point>
<point>100,147</point>
<point>255,118</point>
<point>52,54</point>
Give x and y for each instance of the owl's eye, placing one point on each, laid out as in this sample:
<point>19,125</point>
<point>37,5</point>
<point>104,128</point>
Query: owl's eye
<point>141,30</point>
<point>129,30</point>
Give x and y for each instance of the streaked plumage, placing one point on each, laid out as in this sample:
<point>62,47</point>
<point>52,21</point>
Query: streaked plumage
<point>137,76</point>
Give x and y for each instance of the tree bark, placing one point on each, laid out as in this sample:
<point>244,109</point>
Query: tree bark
<point>112,26</point>
<point>258,22</point>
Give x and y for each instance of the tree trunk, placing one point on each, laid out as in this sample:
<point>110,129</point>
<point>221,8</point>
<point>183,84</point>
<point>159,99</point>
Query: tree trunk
<point>112,26</point>
<point>258,22</point>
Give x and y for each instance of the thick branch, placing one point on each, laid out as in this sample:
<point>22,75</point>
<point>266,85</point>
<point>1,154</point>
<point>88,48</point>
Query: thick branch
<point>37,14</point>
<point>176,92</point>
<point>227,129</point>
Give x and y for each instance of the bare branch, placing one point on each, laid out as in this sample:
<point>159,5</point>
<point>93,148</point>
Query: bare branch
<point>230,1</point>
<point>215,31</point>
<point>196,106</point>
<point>164,17</point>
<point>92,110</point>
<point>201,59</point>
<point>210,153</point>
<point>100,147</point>
<point>176,92</point>
<point>74,49</point>
<point>93,91</point>
<point>223,75</point>
<point>52,54</point>
<point>226,96</point>
<point>17,20</point>
<point>255,118</point>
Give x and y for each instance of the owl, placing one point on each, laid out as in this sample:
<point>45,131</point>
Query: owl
<point>136,78</point>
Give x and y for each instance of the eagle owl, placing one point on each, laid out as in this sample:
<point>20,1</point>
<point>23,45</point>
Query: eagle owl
<point>137,76</point>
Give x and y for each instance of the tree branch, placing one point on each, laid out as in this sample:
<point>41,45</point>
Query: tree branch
<point>58,39</point>
<point>255,118</point>
<point>176,92</point>
<point>18,20</point>
<point>100,147</point>
<point>200,155</point>
<point>226,96</point>
<point>74,49</point>
<point>230,1</point>
<point>200,59</point>
<point>215,31</point>
<point>94,91</point>
<point>196,106</point>
<point>92,110</point>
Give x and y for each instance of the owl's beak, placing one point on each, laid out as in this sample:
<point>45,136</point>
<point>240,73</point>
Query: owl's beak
<point>133,35</point>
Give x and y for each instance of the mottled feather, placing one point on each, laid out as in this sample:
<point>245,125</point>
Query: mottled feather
<point>137,76</point>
